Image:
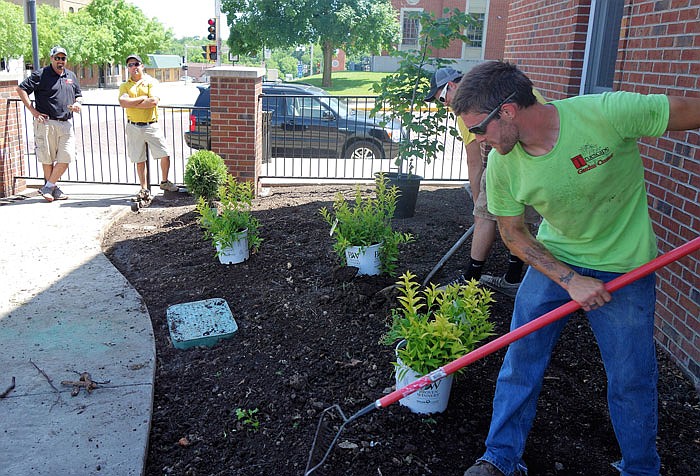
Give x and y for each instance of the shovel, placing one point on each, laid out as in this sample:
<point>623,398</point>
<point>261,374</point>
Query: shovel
<point>327,431</point>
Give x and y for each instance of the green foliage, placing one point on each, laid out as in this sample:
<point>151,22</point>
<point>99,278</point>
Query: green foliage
<point>354,25</point>
<point>367,221</point>
<point>438,326</point>
<point>226,224</point>
<point>398,93</point>
<point>205,172</point>
<point>105,31</point>
<point>15,35</point>
<point>248,418</point>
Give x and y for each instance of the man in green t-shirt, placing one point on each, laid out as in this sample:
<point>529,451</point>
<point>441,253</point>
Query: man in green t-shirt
<point>576,161</point>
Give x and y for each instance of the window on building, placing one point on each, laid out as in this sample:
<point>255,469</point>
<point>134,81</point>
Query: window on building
<point>71,9</point>
<point>601,45</point>
<point>410,29</point>
<point>475,31</point>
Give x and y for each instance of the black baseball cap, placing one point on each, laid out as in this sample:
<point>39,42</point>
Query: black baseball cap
<point>136,57</point>
<point>441,77</point>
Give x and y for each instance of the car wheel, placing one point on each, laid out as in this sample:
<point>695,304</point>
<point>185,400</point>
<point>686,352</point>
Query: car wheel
<point>363,150</point>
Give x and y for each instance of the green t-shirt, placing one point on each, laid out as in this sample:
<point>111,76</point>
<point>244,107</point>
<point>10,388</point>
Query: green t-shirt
<point>590,187</point>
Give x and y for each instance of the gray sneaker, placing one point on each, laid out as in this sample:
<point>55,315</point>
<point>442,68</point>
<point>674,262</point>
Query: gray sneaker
<point>499,284</point>
<point>482,468</point>
<point>47,193</point>
<point>461,280</point>
<point>58,194</point>
<point>168,186</point>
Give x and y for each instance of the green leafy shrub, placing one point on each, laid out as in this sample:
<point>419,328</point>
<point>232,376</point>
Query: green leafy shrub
<point>438,326</point>
<point>205,172</point>
<point>225,225</point>
<point>367,221</point>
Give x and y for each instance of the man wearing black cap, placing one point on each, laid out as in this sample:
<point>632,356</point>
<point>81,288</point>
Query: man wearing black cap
<point>139,96</point>
<point>57,96</point>
<point>444,84</point>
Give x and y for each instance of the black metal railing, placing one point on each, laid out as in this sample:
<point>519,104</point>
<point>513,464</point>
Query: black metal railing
<point>304,137</point>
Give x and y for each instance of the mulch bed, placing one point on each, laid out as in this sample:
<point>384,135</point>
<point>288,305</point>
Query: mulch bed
<point>308,337</point>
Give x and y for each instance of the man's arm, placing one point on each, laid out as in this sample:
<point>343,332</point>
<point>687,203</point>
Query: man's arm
<point>475,167</point>
<point>24,96</point>
<point>141,102</point>
<point>684,113</point>
<point>590,293</point>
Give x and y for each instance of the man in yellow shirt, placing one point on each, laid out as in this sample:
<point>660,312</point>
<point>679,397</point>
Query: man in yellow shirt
<point>443,86</point>
<point>138,95</point>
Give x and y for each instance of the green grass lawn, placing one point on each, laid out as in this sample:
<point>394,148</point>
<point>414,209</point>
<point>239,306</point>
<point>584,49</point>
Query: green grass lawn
<point>347,83</point>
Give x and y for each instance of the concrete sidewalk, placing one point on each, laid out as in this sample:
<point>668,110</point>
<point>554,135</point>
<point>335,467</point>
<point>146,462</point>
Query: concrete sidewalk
<point>64,310</point>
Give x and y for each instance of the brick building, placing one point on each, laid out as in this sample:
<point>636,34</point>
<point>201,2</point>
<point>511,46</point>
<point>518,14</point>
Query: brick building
<point>486,39</point>
<point>647,46</point>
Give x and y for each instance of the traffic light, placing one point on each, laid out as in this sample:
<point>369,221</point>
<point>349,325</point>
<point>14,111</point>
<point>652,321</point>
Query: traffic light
<point>209,52</point>
<point>212,29</point>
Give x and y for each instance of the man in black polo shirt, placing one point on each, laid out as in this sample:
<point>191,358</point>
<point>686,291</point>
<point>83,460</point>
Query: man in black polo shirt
<point>57,96</point>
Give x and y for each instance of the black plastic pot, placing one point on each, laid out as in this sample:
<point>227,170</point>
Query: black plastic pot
<point>408,186</point>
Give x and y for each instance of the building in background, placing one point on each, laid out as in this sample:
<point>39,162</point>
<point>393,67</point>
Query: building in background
<point>487,37</point>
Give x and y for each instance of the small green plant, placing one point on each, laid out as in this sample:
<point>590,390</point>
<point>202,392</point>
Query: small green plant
<point>205,172</point>
<point>226,224</point>
<point>437,326</point>
<point>248,418</point>
<point>367,221</point>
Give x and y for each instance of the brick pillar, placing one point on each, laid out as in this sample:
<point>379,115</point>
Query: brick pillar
<point>236,120</point>
<point>11,163</point>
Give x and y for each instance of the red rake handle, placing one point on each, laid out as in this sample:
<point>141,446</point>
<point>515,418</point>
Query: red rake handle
<point>532,326</point>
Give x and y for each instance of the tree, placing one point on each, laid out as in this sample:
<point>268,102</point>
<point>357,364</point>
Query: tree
<point>15,35</point>
<point>357,26</point>
<point>133,32</point>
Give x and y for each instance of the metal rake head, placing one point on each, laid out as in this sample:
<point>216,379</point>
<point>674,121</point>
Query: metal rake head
<point>330,426</point>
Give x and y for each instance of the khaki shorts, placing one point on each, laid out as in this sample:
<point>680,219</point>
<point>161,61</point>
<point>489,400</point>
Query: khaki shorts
<point>481,209</point>
<point>138,136</point>
<point>55,141</point>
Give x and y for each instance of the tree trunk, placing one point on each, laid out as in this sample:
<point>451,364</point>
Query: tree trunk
<point>327,49</point>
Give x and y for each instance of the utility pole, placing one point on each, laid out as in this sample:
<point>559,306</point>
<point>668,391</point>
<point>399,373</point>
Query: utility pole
<point>30,19</point>
<point>218,32</point>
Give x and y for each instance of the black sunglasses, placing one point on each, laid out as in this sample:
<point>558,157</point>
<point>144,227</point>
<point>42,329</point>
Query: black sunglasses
<point>59,58</point>
<point>443,95</point>
<point>480,128</point>
<point>131,65</point>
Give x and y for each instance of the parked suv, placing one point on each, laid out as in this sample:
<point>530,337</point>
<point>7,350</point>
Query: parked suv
<point>305,121</point>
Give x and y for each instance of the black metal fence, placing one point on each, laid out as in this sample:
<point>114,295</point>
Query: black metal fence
<point>327,138</point>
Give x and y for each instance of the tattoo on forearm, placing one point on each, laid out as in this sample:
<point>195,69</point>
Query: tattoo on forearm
<point>567,277</point>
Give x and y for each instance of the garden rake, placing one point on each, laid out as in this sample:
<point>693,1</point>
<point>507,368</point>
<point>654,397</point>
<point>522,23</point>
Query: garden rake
<point>333,421</point>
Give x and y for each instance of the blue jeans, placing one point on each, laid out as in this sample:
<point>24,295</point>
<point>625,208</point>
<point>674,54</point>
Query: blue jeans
<point>624,330</point>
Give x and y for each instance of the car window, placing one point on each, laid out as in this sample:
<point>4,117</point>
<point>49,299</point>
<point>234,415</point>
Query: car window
<point>277,105</point>
<point>310,107</point>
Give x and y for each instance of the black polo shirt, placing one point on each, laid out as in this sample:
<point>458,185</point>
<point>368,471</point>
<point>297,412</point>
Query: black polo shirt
<point>53,93</point>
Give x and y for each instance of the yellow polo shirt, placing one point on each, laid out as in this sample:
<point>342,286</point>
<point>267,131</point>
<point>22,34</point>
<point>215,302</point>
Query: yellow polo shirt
<point>146,86</point>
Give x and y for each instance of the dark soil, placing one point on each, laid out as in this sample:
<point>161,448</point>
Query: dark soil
<point>308,337</point>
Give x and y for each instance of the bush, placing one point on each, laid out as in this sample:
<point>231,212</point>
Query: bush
<point>205,173</point>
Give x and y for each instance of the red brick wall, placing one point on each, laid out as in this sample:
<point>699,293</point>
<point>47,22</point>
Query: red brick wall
<point>496,26</point>
<point>11,164</point>
<point>659,52</point>
<point>236,126</point>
